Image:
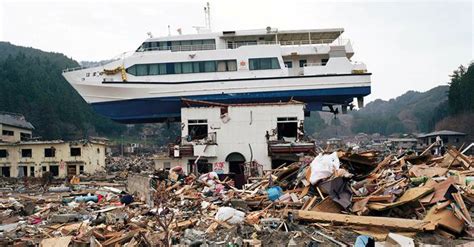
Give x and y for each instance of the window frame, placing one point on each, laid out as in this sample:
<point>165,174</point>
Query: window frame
<point>8,132</point>
<point>75,148</point>
<point>52,154</point>
<point>26,156</point>
<point>3,153</point>
<point>302,62</point>
<point>264,63</point>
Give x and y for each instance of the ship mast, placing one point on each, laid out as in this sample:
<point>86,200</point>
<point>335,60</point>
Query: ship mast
<point>207,15</point>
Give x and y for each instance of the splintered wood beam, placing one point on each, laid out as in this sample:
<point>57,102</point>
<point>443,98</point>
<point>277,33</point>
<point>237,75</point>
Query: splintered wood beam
<point>395,223</point>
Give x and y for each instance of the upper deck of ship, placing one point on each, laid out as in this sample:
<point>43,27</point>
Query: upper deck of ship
<point>235,39</point>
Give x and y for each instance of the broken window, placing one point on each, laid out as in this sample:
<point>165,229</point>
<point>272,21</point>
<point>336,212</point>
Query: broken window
<point>303,63</point>
<point>22,171</point>
<point>32,171</point>
<point>25,136</point>
<point>3,153</point>
<point>26,153</point>
<point>7,133</point>
<point>54,170</point>
<point>287,128</point>
<point>49,152</point>
<point>6,171</point>
<point>75,151</point>
<point>202,166</point>
<point>197,129</point>
<point>81,169</point>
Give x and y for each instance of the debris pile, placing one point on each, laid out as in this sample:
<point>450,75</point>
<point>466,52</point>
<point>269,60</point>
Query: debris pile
<point>339,198</point>
<point>134,163</point>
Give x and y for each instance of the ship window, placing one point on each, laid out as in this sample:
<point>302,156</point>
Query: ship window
<point>132,70</point>
<point>197,68</point>
<point>177,68</point>
<point>170,68</point>
<point>175,45</point>
<point>264,63</point>
<point>142,69</point>
<point>221,66</point>
<point>324,62</point>
<point>232,65</point>
<point>289,64</point>
<point>163,45</point>
<point>163,69</point>
<point>186,45</point>
<point>154,69</point>
<point>209,66</point>
<point>187,67</point>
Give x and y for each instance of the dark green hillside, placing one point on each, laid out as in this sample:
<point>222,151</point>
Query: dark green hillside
<point>31,84</point>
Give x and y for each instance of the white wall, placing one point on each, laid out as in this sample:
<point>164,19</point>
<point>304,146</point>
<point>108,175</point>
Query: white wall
<point>247,126</point>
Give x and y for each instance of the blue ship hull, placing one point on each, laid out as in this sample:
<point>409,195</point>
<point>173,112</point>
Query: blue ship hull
<point>150,110</point>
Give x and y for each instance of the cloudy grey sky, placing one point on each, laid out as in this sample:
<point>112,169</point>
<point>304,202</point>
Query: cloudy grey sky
<point>407,45</point>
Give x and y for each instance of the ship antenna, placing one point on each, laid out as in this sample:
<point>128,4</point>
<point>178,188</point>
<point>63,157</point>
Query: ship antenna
<point>169,30</point>
<point>207,13</point>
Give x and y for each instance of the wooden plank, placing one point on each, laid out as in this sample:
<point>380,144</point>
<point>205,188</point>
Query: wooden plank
<point>381,198</point>
<point>444,217</point>
<point>458,198</point>
<point>397,223</point>
<point>409,195</point>
<point>327,205</point>
<point>56,242</point>
<point>120,239</point>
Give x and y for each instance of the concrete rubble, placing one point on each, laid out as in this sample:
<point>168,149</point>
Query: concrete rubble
<point>334,199</point>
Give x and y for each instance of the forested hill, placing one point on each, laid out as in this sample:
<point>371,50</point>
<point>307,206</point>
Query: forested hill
<point>443,107</point>
<point>31,84</point>
<point>408,113</point>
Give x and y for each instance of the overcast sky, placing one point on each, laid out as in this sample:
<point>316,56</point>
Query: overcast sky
<point>407,45</point>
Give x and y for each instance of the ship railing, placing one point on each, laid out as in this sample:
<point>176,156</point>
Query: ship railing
<point>73,69</point>
<point>120,56</point>
<point>235,45</point>
<point>313,64</point>
<point>200,47</point>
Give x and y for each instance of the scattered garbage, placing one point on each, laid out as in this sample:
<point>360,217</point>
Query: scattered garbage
<point>334,199</point>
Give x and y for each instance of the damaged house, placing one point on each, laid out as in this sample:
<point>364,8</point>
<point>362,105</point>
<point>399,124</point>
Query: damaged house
<point>21,156</point>
<point>234,138</point>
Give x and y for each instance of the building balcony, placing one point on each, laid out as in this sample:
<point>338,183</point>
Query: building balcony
<point>192,150</point>
<point>285,148</point>
<point>180,150</point>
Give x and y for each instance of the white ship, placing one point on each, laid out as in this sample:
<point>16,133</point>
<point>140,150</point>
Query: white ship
<point>262,65</point>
